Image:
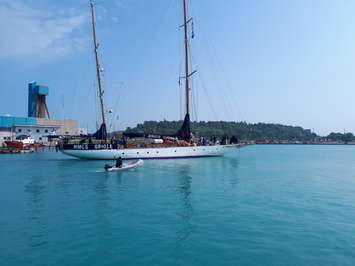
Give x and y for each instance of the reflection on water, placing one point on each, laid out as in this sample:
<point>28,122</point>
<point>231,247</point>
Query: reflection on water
<point>35,190</point>
<point>101,185</point>
<point>184,184</point>
<point>184,179</point>
<point>103,208</point>
<point>230,166</point>
<point>189,171</point>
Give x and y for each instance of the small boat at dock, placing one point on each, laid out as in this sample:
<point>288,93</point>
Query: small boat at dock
<point>22,142</point>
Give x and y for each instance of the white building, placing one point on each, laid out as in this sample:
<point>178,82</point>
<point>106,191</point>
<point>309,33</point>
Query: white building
<point>39,133</point>
<point>38,129</point>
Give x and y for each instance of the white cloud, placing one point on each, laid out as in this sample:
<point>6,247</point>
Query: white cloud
<point>28,32</point>
<point>120,3</point>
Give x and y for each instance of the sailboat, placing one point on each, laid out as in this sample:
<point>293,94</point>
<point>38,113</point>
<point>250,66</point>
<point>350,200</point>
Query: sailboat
<point>180,146</point>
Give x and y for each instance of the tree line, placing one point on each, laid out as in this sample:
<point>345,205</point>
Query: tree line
<point>241,130</point>
<point>220,129</point>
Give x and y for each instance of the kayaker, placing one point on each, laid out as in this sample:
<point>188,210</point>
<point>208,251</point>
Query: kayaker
<point>119,162</point>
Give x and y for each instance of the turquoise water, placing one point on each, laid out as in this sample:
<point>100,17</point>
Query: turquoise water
<point>263,205</point>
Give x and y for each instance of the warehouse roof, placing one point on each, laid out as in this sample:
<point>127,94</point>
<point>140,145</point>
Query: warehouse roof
<point>10,121</point>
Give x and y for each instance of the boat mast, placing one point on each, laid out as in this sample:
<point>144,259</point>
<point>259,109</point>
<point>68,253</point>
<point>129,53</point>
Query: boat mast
<point>98,68</point>
<point>186,43</point>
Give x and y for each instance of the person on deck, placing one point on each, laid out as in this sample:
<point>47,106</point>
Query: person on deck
<point>119,162</point>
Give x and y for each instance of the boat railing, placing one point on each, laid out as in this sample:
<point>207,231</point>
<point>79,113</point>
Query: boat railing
<point>88,141</point>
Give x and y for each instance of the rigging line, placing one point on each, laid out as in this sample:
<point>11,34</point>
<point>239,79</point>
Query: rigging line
<point>77,87</point>
<point>197,92</point>
<point>193,88</point>
<point>228,87</point>
<point>180,99</point>
<point>210,104</point>
<point>98,2</point>
<point>94,87</point>
<point>207,96</point>
<point>228,110</point>
<point>195,99</point>
<point>120,97</point>
<point>226,97</point>
<point>227,84</point>
<point>180,81</point>
<point>194,108</point>
<point>153,36</point>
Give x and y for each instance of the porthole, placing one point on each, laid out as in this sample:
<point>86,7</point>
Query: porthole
<point>157,151</point>
<point>137,152</point>
<point>147,152</point>
<point>175,151</point>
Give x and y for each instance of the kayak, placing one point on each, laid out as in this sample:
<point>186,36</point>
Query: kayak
<point>125,166</point>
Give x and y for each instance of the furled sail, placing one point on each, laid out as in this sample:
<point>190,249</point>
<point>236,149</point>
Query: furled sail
<point>185,131</point>
<point>101,133</point>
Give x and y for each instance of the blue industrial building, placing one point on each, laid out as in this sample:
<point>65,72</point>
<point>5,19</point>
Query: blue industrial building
<point>37,106</point>
<point>37,124</point>
<point>11,121</point>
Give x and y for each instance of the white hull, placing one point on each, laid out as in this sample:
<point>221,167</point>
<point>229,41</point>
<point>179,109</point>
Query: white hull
<point>126,166</point>
<point>151,153</point>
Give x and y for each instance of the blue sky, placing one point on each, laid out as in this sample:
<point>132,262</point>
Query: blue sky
<point>290,62</point>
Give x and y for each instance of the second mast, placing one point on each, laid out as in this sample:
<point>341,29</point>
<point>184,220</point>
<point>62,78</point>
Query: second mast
<point>98,68</point>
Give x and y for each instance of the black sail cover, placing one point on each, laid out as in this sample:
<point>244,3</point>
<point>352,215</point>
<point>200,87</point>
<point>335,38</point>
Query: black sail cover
<point>185,131</point>
<point>101,133</point>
